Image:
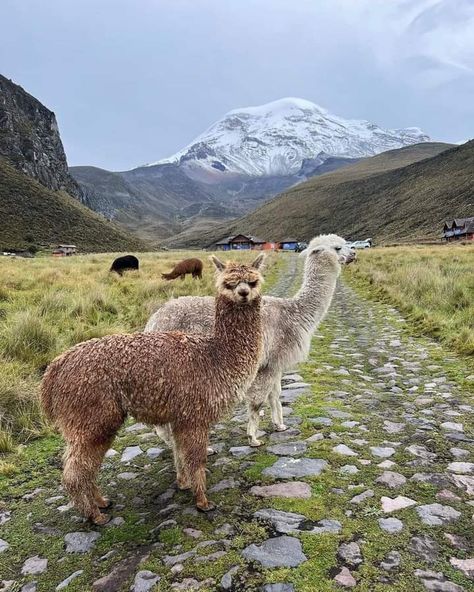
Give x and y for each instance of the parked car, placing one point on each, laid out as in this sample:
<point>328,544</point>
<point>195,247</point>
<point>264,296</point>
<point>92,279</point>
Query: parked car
<point>300,247</point>
<point>361,244</point>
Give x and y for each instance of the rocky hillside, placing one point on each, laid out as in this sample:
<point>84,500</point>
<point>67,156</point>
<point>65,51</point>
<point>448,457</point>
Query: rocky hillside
<point>33,216</point>
<point>401,194</point>
<point>30,140</point>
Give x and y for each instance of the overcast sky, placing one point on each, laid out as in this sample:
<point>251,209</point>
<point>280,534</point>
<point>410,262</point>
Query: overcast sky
<point>133,81</point>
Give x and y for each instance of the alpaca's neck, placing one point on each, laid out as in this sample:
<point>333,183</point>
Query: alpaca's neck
<point>238,339</point>
<point>317,290</point>
<point>238,327</point>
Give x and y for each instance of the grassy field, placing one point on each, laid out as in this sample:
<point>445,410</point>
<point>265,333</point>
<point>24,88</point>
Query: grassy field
<point>47,305</point>
<point>433,286</point>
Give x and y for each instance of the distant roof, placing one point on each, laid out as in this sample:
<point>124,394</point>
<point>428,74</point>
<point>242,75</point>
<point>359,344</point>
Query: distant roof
<point>253,239</point>
<point>468,223</point>
<point>289,240</point>
<point>67,247</point>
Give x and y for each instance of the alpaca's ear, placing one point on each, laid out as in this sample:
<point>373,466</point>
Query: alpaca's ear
<point>258,263</point>
<point>217,264</point>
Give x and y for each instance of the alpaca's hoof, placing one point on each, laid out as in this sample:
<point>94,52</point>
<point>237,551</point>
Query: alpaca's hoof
<point>208,507</point>
<point>281,427</point>
<point>104,503</point>
<point>211,451</point>
<point>100,519</point>
<point>255,443</point>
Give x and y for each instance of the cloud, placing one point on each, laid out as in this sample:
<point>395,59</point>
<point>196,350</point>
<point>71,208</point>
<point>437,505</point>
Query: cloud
<point>427,41</point>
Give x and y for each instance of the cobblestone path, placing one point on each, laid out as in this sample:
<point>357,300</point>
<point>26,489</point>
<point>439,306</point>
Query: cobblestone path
<point>371,487</point>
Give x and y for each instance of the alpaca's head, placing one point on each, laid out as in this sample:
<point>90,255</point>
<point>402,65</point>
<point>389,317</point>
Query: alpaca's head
<point>238,282</point>
<point>331,243</point>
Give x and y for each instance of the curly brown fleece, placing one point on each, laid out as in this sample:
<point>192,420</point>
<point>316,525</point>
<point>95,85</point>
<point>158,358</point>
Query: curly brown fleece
<point>188,381</point>
<point>192,266</point>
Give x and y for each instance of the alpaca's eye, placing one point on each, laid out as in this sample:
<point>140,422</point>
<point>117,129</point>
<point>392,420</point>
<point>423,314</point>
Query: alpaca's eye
<point>338,248</point>
<point>253,284</point>
<point>228,286</point>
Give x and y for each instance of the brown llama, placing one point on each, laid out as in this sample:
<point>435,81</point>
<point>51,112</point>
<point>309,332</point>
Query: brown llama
<point>186,381</point>
<point>192,266</point>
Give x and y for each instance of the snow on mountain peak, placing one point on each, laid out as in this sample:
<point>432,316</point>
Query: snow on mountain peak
<point>275,138</point>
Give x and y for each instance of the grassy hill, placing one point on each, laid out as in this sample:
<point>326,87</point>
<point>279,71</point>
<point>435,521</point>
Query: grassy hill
<point>31,214</point>
<point>398,195</point>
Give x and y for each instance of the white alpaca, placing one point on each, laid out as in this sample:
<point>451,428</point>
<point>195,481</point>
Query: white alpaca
<point>288,325</point>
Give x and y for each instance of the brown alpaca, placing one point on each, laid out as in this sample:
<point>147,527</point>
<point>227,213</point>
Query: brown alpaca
<point>187,381</point>
<point>193,266</point>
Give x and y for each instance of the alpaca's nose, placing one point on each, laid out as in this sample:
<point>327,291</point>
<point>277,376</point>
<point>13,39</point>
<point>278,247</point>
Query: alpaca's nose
<point>244,292</point>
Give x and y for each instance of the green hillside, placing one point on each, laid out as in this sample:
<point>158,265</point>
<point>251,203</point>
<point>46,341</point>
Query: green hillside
<point>31,214</point>
<point>398,195</point>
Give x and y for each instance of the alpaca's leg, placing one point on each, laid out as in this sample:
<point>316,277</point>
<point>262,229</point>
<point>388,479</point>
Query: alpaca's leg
<point>82,462</point>
<point>253,423</point>
<point>257,395</point>
<point>192,448</point>
<point>276,407</point>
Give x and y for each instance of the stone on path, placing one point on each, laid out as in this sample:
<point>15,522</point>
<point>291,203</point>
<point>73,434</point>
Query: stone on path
<point>287,467</point>
<point>154,453</point>
<point>362,497</point>
<point>4,546</point>
<point>424,547</point>
<point>465,565</point>
<point>393,428</point>
<point>421,452</point>
<point>451,425</point>
<point>391,561</point>
<point>437,582</point>
<point>345,578</point>
<point>348,470</point>
<point>350,553</point>
<point>34,566</point>
<point>391,479</point>
<point>136,427</point>
<point>65,583</point>
<point>5,516</point>
<point>324,421</point>
<point>461,467</point>
<point>111,453</point>
<point>464,482</point>
<point>398,503</point>
<point>281,551</point>
<point>344,450</point>
<point>144,581</point>
<point>292,489</point>
<point>278,588</point>
<point>290,522</point>
<point>315,438</point>
<point>437,514</point>
<point>130,453</point>
<point>382,451</point>
<point>80,542</point>
<point>225,484</point>
<point>127,476</point>
<point>391,525</point>
<point>288,434</point>
<point>241,451</point>
<point>288,448</point>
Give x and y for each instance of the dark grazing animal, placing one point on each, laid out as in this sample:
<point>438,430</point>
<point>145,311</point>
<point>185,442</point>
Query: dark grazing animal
<point>188,382</point>
<point>125,263</point>
<point>192,266</point>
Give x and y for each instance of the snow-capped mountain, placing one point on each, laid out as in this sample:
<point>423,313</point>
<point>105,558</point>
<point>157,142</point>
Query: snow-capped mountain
<point>275,139</point>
